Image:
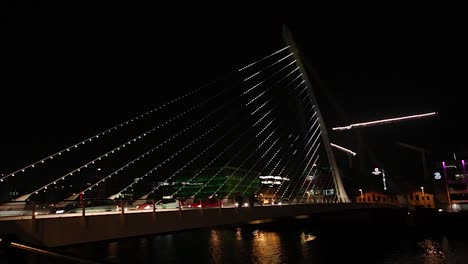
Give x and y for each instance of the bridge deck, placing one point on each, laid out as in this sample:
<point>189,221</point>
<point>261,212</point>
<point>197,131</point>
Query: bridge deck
<point>61,231</point>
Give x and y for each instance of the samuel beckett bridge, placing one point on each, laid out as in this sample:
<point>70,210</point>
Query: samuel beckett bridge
<point>250,147</point>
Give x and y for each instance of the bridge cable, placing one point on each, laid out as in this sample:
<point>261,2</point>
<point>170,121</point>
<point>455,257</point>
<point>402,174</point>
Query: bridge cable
<point>276,62</point>
<point>269,77</point>
<point>206,149</point>
<point>238,138</point>
<point>305,178</point>
<point>265,91</point>
<point>192,160</point>
<point>263,155</point>
<point>310,176</point>
<point>118,148</point>
<point>254,112</point>
<point>124,123</point>
<point>303,161</point>
<point>120,125</point>
<point>306,168</point>
<point>264,58</point>
<point>271,173</point>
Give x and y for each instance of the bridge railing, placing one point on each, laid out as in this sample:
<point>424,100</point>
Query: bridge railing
<point>65,208</point>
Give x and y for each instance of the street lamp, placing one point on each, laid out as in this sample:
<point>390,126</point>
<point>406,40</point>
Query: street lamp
<point>378,172</point>
<point>422,191</point>
<point>449,199</point>
<point>362,196</point>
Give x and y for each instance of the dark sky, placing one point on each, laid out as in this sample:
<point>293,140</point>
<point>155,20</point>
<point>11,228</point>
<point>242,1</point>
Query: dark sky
<point>66,76</point>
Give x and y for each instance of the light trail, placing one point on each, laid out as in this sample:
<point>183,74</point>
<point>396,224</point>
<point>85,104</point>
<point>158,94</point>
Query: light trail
<point>343,149</point>
<point>384,121</point>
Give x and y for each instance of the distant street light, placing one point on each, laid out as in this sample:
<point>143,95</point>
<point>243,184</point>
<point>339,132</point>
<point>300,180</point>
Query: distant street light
<point>362,195</point>
<point>422,190</point>
<point>378,172</point>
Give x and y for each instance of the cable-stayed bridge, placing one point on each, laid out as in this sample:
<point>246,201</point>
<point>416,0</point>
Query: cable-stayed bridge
<point>252,141</point>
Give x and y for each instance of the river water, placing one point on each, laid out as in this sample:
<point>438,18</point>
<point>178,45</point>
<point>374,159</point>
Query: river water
<point>298,241</point>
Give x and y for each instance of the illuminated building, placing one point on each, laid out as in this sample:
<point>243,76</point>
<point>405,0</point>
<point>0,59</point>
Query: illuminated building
<point>453,177</point>
<point>421,199</point>
<point>376,197</point>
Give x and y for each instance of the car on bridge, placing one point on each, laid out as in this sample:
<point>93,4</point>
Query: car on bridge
<point>203,203</point>
<point>93,206</point>
<point>280,201</point>
<point>162,204</point>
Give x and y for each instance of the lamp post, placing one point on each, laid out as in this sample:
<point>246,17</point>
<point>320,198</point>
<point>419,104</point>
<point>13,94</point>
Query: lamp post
<point>422,191</point>
<point>449,199</point>
<point>362,195</point>
<point>378,172</point>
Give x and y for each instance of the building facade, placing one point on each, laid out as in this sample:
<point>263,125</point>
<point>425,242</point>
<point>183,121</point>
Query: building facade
<point>421,199</point>
<point>376,197</point>
<point>452,181</point>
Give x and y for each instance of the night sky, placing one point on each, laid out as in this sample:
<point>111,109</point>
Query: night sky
<point>67,77</point>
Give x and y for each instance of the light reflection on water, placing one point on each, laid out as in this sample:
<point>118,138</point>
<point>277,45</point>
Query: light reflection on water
<point>273,245</point>
<point>430,251</point>
<point>214,246</point>
<point>266,247</point>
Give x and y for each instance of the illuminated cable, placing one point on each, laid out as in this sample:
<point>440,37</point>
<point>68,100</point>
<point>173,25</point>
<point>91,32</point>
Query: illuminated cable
<point>264,128</point>
<point>269,88</point>
<point>154,148</point>
<point>124,123</point>
<point>239,137</point>
<point>293,89</point>
<point>120,146</point>
<point>120,125</point>
<point>269,77</point>
<point>261,118</point>
<point>237,169</point>
<point>278,61</point>
<point>261,158</point>
<point>303,161</point>
<point>164,161</point>
<point>282,170</point>
<point>311,178</point>
<point>313,145</point>
<point>297,86</point>
<point>307,143</point>
<point>253,166</point>
<point>262,59</point>
<point>220,170</point>
<point>297,183</point>
<point>281,159</point>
